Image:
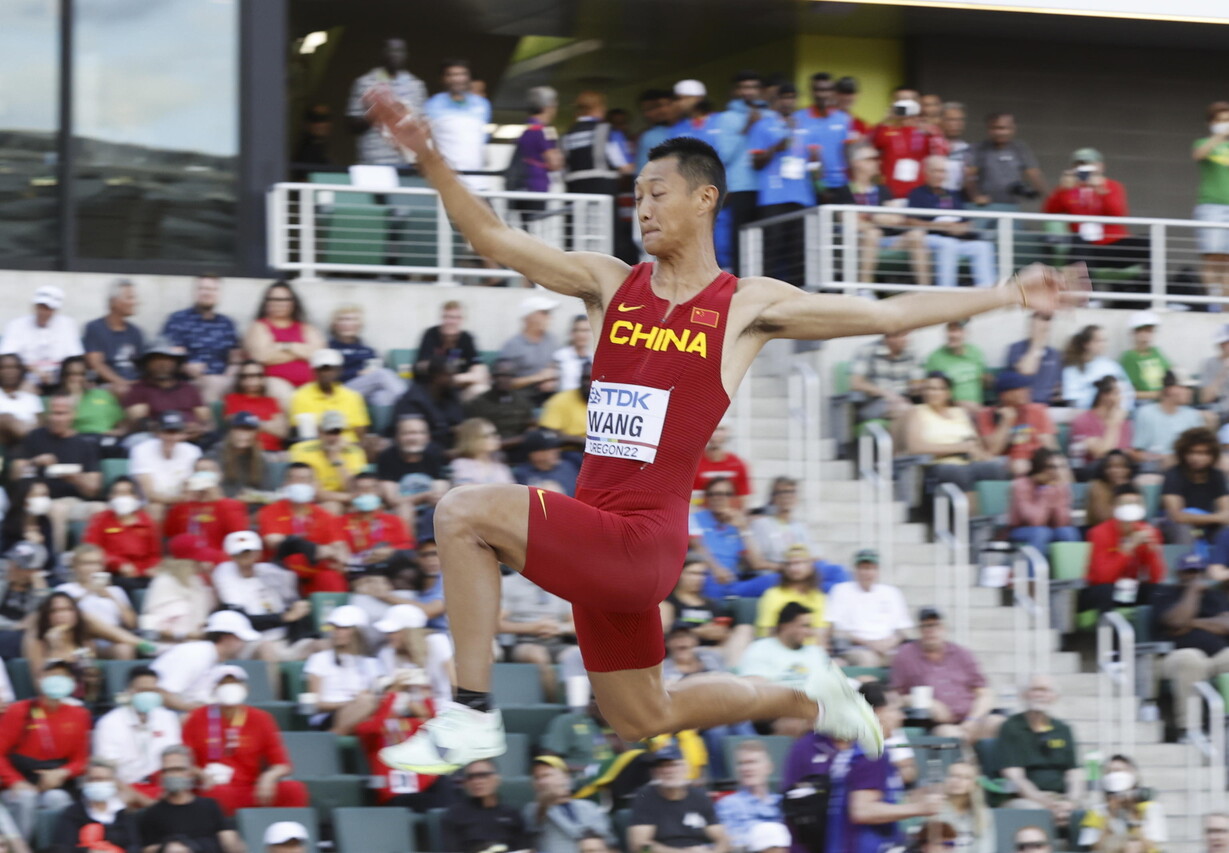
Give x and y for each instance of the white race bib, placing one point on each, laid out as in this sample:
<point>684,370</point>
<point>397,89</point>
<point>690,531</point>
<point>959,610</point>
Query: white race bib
<point>400,782</point>
<point>1092,232</point>
<point>793,168</point>
<point>906,170</point>
<point>625,421</point>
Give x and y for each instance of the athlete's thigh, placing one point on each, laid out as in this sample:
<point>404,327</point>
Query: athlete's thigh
<point>497,514</point>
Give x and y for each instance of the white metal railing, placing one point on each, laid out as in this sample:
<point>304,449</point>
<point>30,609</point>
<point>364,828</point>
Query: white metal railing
<point>804,428</point>
<point>1205,756</point>
<point>337,228</point>
<point>1031,613</point>
<point>953,584</point>
<point>875,496</point>
<point>1115,684</point>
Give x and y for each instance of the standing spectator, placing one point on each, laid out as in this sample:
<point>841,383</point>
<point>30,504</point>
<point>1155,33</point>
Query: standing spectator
<point>134,736</point>
<point>799,584</point>
<point>570,360</point>
<point>959,152</point>
<point>1191,615</point>
<point>594,161</point>
<point>719,463</point>
<point>1017,427</point>
<point>126,534</point>
<point>829,130</point>
<point>44,746</point>
<point>531,350</point>
<point>962,363</point>
<point>249,395</point>
<point>545,466</point>
<point>1041,502</point>
<point>455,346</point>
<point>162,464</point>
<point>362,369</point>
<point>965,809</point>
<point>556,822</point>
<point>904,140</point>
<point>1102,429</point>
<point>537,150</point>
<point>948,236</point>
<point>669,813</point>
<point>1035,358</point>
<point>239,749</point>
<point>477,454</point>
<point>479,821</point>
<point>433,396</point>
<point>1194,494</point>
<point>946,432</point>
<point>342,677</point>
<point>161,389</point>
<point>786,163</point>
<point>112,344</point>
<point>888,373</point>
<point>208,339</point>
<point>510,409</point>
<point>459,117</point>
<point>186,671</point>
<point>411,471</point>
<point>241,464</point>
<point>720,534</point>
<point>1085,362</point>
<point>1215,375</point>
<point>1004,170</point>
<point>657,110</point>
<point>734,147</point>
<point>19,410</point>
<point>327,394</point>
<point>43,339</point>
<point>373,147</point>
<point>1212,202</point>
<point>870,616</point>
<point>97,414</point>
<point>334,458</point>
<point>1158,425</point>
<point>296,516</point>
<point>1144,364</point>
<point>99,820</point>
<point>753,802</point>
<point>846,93</point>
<point>283,341</point>
<point>536,627</point>
<point>182,814</point>
<point>1037,752</point>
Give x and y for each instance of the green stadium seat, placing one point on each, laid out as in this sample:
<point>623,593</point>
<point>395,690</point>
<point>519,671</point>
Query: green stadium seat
<point>381,418</point>
<point>515,762</point>
<point>374,830</point>
<point>877,673</point>
<point>401,361</point>
<point>620,822</point>
<point>293,680</point>
<point>313,753</point>
<point>516,683</point>
<point>743,610</point>
<point>530,720</point>
<point>1079,495</point>
<point>1174,553</point>
<point>993,498</point>
<point>327,793</point>
<point>1064,439</point>
<point>1069,560</point>
<point>285,714</point>
<point>324,603</point>
<point>45,821</point>
<point>112,469</point>
<point>353,758</point>
<point>115,675</point>
<point>516,791</point>
<point>19,677</point>
<point>935,755</point>
<point>1152,499</point>
<point>252,824</point>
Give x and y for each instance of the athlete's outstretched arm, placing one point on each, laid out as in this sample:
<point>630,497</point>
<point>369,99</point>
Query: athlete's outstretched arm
<point>570,273</point>
<point>791,313</point>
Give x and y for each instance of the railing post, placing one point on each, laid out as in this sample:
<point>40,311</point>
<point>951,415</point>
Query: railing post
<point>811,279</point>
<point>1115,636</point>
<point>307,237</point>
<point>849,257</point>
<point>1158,259</point>
<point>443,243</point>
<point>1006,229</point>
<point>751,250</point>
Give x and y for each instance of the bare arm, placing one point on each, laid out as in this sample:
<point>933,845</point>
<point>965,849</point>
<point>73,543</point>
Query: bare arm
<point>231,842</point>
<point>1024,788</point>
<point>867,808</point>
<point>262,348</point>
<point>717,835</point>
<point>640,839</point>
<point>1209,145</point>
<point>97,362</point>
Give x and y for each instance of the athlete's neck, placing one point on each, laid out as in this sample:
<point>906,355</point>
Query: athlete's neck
<point>678,278</point>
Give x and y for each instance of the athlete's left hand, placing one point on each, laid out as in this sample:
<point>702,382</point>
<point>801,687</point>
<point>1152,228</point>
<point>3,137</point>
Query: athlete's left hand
<point>1047,290</point>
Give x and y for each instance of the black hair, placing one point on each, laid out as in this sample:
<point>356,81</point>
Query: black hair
<point>875,694</point>
<point>1040,459</point>
<point>366,475</point>
<point>139,672</point>
<point>745,75</point>
<point>297,466</point>
<point>1126,489</point>
<point>136,487</point>
<point>698,163</point>
<point>1105,385</point>
<point>906,87</point>
<point>1099,474</point>
<point>653,95</point>
<point>820,77</point>
<point>297,314</point>
<point>716,481</point>
<point>787,89</point>
<point>942,377</point>
<point>847,85</point>
<point>790,612</point>
<point>454,63</point>
<point>436,366</point>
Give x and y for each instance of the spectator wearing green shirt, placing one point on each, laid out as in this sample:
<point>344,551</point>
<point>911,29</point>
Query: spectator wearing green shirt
<point>1037,752</point>
<point>1145,365</point>
<point>962,363</point>
<point>1212,205</point>
<point>98,413</point>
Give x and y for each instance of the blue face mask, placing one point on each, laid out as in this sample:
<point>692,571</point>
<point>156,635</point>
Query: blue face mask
<point>146,701</point>
<point>57,686</point>
<point>99,791</point>
<point>366,503</point>
<point>300,493</point>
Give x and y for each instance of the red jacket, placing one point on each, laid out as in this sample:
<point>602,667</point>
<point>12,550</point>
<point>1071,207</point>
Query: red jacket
<point>361,535</point>
<point>1086,201</point>
<point>383,729</point>
<point>317,525</point>
<point>137,543</point>
<point>244,738</point>
<point>211,520</point>
<point>1109,563</point>
<point>34,729</point>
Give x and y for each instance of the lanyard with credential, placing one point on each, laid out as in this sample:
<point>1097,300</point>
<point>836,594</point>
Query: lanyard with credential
<point>221,740</point>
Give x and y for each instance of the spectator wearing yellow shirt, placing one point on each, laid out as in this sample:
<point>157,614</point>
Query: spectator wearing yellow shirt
<point>566,412</point>
<point>799,584</point>
<point>327,394</point>
<point>335,459</point>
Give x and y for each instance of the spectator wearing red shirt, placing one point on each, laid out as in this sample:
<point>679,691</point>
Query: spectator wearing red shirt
<point>372,535</point>
<point>1017,426</point>
<point>249,395</point>
<point>1126,552</point>
<point>846,90</point>
<point>402,711</point>
<point>717,463</point>
<point>296,516</point>
<point>205,513</point>
<point>1041,502</point>
<point>44,744</point>
<point>240,751</point>
<point>126,534</point>
<point>904,140</point>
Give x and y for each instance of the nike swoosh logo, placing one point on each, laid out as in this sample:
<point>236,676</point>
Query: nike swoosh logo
<point>624,307</point>
<point>542,499</point>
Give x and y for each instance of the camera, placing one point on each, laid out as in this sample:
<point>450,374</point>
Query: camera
<point>1023,190</point>
<point>1083,173</point>
<point>907,107</point>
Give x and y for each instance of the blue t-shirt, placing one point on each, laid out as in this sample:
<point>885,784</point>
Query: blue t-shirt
<point>734,146</point>
<point>925,196</point>
<point>208,340</point>
<point>120,350</point>
<point>704,129</point>
<point>1049,371</point>
<point>723,541</point>
<point>854,771</point>
<point>829,133</point>
<point>435,593</point>
<point>785,180</point>
<point>650,139</point>
<point>564,474</point>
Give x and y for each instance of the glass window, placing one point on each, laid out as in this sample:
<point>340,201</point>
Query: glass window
<point>155,113</point>
<point>29,131</point>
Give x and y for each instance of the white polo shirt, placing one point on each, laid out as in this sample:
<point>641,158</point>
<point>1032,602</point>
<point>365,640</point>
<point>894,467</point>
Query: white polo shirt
<point>135,745</point>
<point>872,614</point>
<point>168,475</point>
<point>106,608</point>
<point>341,683</point>
<point>187,670</point>
<point>42,347</point>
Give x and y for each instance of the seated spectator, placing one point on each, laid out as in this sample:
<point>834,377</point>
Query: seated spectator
<point>1194,494</point>
<point>209,340</point>
<point>60,631</point>
<point>545,467</point>
<point>204,510</point>
<point>92,589</point>
<point>362,369</point>
<point>133,737</point>
<point>1017,427</point>
<point>44,338</point>
<point>112,345</point>
<point>1115,469</point>
<point>1037,752</point>
<point>945,431</point>
<point>452,343</point>
<point>342,677</point>
<point>19,410</point>
<point>1104,428</point>
<point>372,536</point>
<point>180,599</point>
<point>961,699</point>
<point>1158,425</point>
<point>1215,375</point>
<point>162,464</point>
<point>412,472</point>
<point>335,459</point>
<point>685,656</point>
<point>295,515</point>
<point>1126,556</point>
<point>555,821</point>
<point>100,817</point>
<point>1035,358</point>
<point>948,236</point>
<point>248,395</point>
<point>27,519</point>
<point>718,461</point>
<point>805,781</point>
<point>1144,364</point>
<point>412,650</point>
<point>312,401</point>
<point>537,626</point>
<point>776,529</point>
<point>965,809</point>
<point>22,591</point>
<point>97,414</point>
<point>161,389</point>
<point>404,706</point>
<point>477,460</point>
<point>688,605</point>
<point>569,360</point>
<point>934,836</point>
<point>1085,362</point>
<point>669,812</point>
<point>531,349</point>
<point>1041,502</point>
<point>181,815</point>
<point>1130,812</point>
<point>1191,615</point>
<point>787,658</point>
<point>753,802</point>
<point>799,584</point>
<point>246,474</point>
<point>478,820</point>
<point>1032,839</point>
<point>266,594</point>
<point>888,373</point>
<point>12,842</point>
<point>720,534</point>
<point>433,397</point>
<point>185,671</point>
<point>868,615</point>
<point>40,763</point>
<point>239,749</point>
<point>510,409</point>
<point>283,341</point>
<point>565,413</point>
<point>962,363</point>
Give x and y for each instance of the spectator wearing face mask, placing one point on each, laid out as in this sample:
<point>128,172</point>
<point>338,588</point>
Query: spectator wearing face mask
<point>1129,811</point>
<point>134,735</point>
<point>183,815</point>
<point>1126,556</point>
<point>126,534</point>
<point>296,516</point>
<point>98,821</point>
<point>186,671</point>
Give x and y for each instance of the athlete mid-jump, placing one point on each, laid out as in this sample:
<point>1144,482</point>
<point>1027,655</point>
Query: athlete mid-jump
<point>676,338</point>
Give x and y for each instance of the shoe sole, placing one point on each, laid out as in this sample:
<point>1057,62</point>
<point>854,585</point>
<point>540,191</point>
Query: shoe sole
<point>441,768</point>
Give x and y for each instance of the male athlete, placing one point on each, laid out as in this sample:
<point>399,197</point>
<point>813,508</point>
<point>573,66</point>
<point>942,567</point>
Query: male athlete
<point>676,338</point>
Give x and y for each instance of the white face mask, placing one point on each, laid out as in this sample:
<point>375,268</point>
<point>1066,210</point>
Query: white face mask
<point>38,505</point>
<point>231,694</point>
<point>300,493</point>
<point>124,504</point>
<point>1119,781</point>
<point>1130,513</point>
<point>1221,127</point>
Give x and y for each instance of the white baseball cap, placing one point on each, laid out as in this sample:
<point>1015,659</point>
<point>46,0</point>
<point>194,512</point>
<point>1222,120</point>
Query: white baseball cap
<point>231,622</point>
<point>285,831</point>
<point>537,303</point>
<point>402,616</point>
<point>690,89</point>
<point>766,836</point>
<point>49,295</point>
<point>1140,319</point>
<point>240,541</point>
<point>228,671</point>
<point>327,358</point>
<point>348,616</point>
<point>1222,334</point>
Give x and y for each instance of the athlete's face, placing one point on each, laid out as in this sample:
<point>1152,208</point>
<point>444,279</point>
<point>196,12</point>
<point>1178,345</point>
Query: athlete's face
<point>671,213</point>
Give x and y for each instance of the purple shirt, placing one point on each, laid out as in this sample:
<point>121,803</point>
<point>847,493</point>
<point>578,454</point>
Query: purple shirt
<point>532,148</point>
<point>954,677</point>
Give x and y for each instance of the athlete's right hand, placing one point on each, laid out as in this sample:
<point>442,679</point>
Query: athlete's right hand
<point>405,127</point>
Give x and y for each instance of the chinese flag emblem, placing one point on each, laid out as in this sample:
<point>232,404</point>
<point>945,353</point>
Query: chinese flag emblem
<point>705,317</point>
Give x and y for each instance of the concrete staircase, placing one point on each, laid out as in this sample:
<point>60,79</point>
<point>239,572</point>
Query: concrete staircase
<point>834,526</point>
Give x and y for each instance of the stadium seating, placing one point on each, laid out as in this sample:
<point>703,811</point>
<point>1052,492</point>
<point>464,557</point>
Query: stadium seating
<point>374,830</point>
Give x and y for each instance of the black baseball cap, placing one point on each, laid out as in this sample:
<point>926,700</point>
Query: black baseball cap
<point>540,439</point>
<point>244,420</point>
<point>929,614</point>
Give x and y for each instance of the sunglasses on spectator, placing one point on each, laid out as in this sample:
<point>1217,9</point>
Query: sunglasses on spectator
<point>279,299</point>
<point>1032,845</point>
<point>785,492</point>
<point>251,376</point>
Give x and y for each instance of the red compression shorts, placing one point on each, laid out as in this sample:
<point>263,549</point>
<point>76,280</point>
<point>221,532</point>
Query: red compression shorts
<point>615,556</point>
